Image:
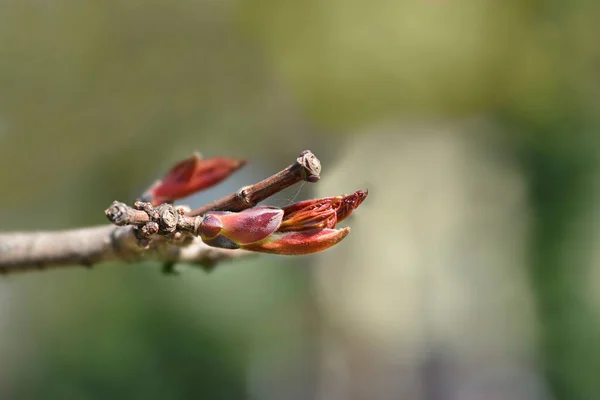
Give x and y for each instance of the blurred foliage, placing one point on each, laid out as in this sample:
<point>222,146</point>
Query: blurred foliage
<point>96,98</point>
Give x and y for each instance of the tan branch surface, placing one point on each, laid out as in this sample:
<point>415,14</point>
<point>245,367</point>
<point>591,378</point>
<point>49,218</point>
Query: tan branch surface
<point>165,234</point>
<point>27,251</point>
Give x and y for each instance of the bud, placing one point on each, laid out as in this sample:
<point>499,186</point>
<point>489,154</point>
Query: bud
<point>189,176</point>
<point>240,228</point>
<point>301,228</point>
<point>299,243</point>
<point>320,213</point>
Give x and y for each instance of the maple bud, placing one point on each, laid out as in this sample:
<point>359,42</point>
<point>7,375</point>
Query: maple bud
<point>301,228</point>
<point>234,230</point>
<point>299,243</point>
<point>189,176</point>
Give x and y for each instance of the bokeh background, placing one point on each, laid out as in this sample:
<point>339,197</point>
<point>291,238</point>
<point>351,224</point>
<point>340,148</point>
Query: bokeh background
<point>471,272</point>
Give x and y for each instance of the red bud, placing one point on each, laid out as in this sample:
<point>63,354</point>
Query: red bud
<point>301,228</point>
<point>242,227</point>
<point>299,243</point>
<point>191,175</point>
<point>320,213</point>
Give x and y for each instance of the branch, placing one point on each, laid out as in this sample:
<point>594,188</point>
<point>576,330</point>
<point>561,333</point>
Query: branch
<point>136,236</point>
<point>30,251</point>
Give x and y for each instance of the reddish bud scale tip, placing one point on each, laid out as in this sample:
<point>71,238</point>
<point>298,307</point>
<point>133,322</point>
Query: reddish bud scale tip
<point>320,213</point>
<point>346,204</point>
<point>192,175</point>
<point>299,243</point>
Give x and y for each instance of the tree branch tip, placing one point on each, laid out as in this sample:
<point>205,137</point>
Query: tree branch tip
<point>311,166</point>
<point>117,213</point>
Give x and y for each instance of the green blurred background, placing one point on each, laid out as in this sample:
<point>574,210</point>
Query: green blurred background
<point>472,268</point>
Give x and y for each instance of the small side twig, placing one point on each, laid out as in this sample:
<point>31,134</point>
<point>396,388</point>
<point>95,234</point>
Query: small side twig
<point>306,168</point>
